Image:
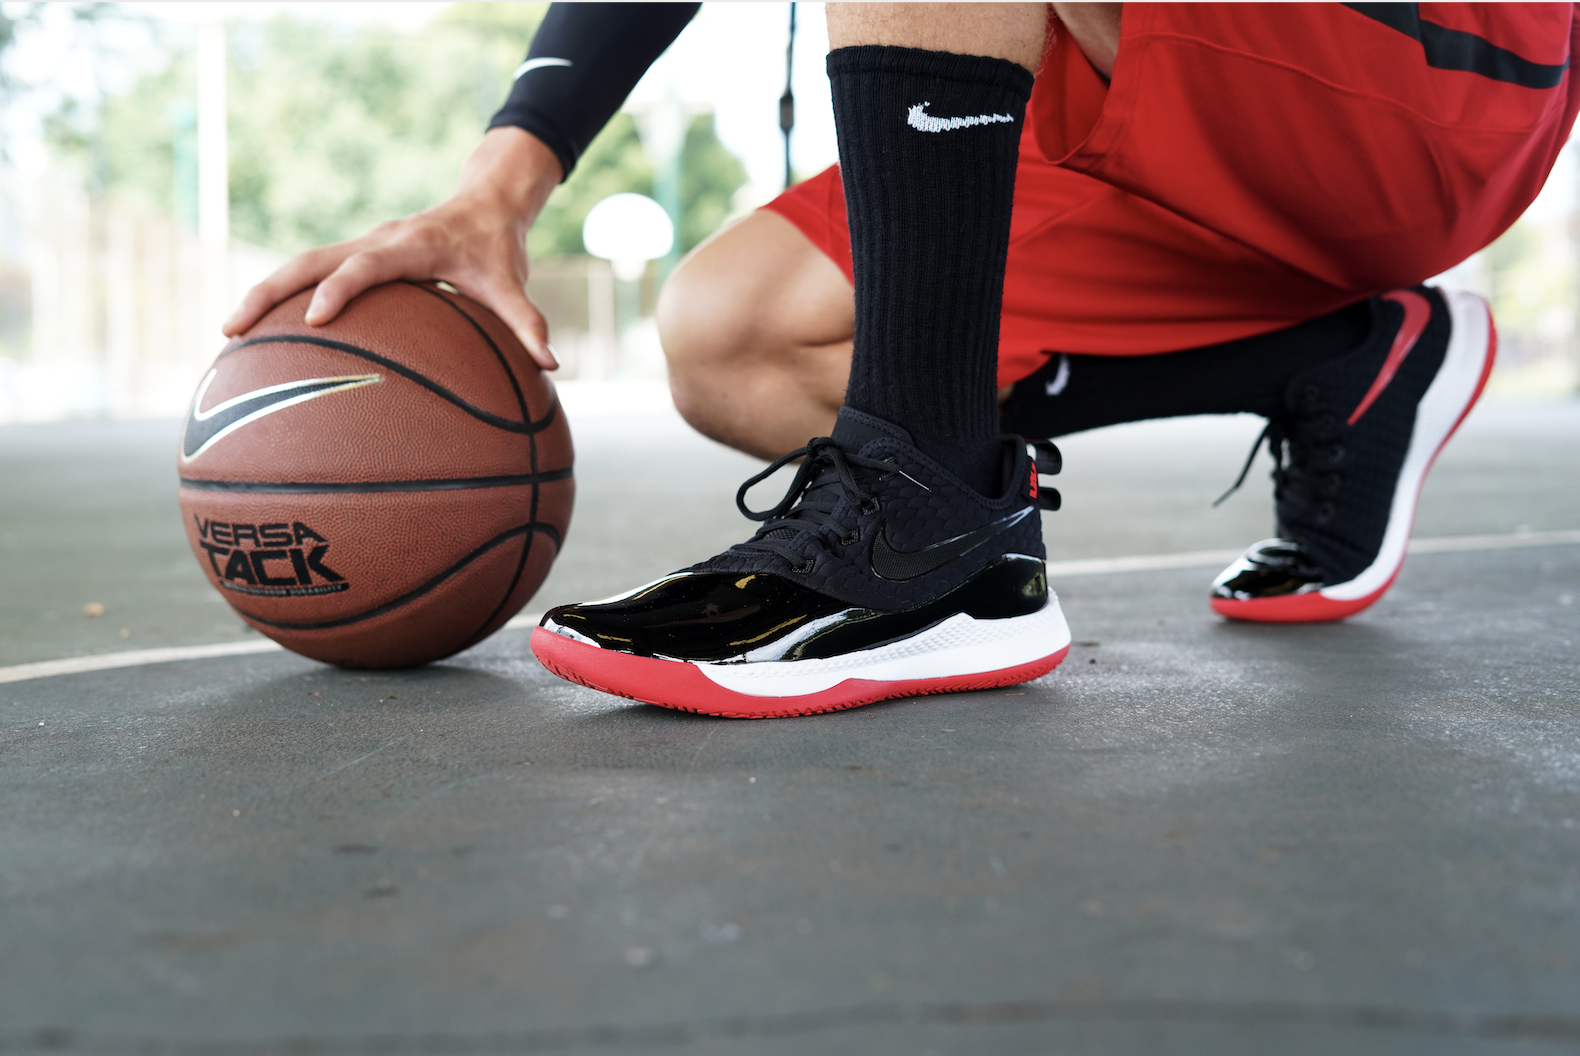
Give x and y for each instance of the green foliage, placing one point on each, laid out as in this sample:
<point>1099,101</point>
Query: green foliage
<point>1533,282</point>
<point>334,129</point>
<point>612,163</point>
<point>10,22</point>
<point>709,178</point>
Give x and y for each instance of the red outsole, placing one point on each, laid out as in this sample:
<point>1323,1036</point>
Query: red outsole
<point>1313,607</point>
<point>679,685</point>
<point>1297,608</point>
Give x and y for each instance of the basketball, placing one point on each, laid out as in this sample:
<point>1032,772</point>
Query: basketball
<point>381,491</point>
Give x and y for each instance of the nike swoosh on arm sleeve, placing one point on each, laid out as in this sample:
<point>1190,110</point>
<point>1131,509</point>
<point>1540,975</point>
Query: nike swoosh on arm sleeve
<point>599,52</point>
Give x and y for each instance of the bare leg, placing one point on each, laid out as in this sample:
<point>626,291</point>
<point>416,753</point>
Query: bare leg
<point>1002,31</point>
<point>757,326</point>
<point>757,322</point>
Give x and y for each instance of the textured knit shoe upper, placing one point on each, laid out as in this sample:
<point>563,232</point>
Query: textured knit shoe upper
<point>870,526</point>
<point>1344,453</point>
<point>886,541</point>
<point>1340,448</point>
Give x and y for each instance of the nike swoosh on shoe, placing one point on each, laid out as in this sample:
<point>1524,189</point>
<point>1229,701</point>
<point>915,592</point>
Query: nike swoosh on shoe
<point>1417,313</point>
<point>908,564</point>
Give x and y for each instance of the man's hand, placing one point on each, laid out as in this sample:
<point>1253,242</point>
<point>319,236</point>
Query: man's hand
<point>475,241</point>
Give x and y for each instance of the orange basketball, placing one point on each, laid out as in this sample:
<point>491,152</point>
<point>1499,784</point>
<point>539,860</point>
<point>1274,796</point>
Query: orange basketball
<point>381,491</point>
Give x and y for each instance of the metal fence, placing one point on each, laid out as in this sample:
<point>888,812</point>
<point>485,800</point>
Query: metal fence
<point>109,308</point>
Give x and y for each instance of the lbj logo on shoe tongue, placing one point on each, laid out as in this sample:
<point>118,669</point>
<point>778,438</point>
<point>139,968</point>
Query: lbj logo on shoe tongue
<point>273,560</point>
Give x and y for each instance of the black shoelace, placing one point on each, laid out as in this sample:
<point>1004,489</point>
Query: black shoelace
<point>810,502</point>
<point>1275,447</point>
<point>1296,485</point>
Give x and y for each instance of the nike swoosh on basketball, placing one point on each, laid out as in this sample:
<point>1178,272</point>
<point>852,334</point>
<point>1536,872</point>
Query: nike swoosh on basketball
<point>1417,313</point>
<point>901,564</point>
<point>919,119</point>
<point>206,428</point>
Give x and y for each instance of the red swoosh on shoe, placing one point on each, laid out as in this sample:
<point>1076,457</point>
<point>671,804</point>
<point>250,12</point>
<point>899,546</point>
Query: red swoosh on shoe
<point>1417,312</point>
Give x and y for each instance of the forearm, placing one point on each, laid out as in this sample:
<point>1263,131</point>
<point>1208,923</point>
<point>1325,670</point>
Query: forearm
<point>511,174</point>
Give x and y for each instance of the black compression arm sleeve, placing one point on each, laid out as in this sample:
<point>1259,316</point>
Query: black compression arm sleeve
<point>583,62</point>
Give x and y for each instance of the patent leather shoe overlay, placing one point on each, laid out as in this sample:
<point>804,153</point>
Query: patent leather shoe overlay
<point>1269,569</point>
<point>879,574</point>
<point>711,616</point>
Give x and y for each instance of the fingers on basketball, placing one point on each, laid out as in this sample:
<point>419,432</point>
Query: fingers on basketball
<point>511,303</point>
<point>295,275</point>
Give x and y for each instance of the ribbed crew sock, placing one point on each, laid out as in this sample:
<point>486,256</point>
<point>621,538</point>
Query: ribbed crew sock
<point>1071,392</point>
<point>928,143</point>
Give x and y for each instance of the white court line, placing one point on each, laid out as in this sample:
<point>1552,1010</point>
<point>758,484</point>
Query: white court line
<point>1057,570</point>
<point>105,661</point>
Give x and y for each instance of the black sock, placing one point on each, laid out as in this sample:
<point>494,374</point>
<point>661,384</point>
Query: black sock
<point>1071,393</point>
<point>929,202</point>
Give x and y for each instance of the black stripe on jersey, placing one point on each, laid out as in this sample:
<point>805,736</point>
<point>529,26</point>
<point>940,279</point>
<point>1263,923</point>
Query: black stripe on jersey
<point>1454,49</point>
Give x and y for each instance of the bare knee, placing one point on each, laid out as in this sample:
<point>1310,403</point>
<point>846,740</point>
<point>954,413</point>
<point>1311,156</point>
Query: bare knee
<point>705,322</point>
<point>746,321</point>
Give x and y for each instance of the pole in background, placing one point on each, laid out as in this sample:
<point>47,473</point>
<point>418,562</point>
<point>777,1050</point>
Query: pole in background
<point>213,204</point>
<point>787,100</point>
<point>662,128</point>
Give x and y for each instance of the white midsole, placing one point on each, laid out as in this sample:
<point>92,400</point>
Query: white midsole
<point>959,645</point>
<point>1435,418</point>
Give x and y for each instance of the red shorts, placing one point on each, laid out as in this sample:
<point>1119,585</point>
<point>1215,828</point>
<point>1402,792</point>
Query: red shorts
<point>1256,165</point>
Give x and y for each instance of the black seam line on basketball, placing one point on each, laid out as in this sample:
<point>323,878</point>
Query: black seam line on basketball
<point>1454,49</point>
<point>515,385</point>
<point>521,564</point>
<point>372,487</point>
<point>504,537</point>
<point>532,449</point>
<point>899,565</point>
<point>404,371</point>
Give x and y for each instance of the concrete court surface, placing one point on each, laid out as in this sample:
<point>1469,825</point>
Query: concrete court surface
<point>1193,837</point>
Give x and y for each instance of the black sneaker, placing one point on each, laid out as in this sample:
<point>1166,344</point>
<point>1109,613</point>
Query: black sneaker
<point>1360,434</point>
<point>879,575</point>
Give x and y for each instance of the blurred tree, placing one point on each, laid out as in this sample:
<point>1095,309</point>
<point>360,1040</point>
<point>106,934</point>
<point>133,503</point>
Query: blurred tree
<point>12,18</point>
<point>613,162</point>
<point>335,128</point>
<point>1532,270</point>
<point>709,177</point>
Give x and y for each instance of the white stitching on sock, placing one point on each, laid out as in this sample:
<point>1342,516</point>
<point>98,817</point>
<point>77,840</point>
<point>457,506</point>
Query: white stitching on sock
<point>922,121</point>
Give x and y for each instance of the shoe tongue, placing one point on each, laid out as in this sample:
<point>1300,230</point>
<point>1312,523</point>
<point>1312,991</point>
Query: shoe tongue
<point>854,430</point>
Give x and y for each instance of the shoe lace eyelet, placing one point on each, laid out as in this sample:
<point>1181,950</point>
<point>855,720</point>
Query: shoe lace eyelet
<point>870,507</point>
<point>1327,422</point>
<point>1313,393</point>
<point>804,567</point>
<point>851,536</point>
<point>1332,482</point>
<point>1336,454</point>
<point>1325,513</point>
